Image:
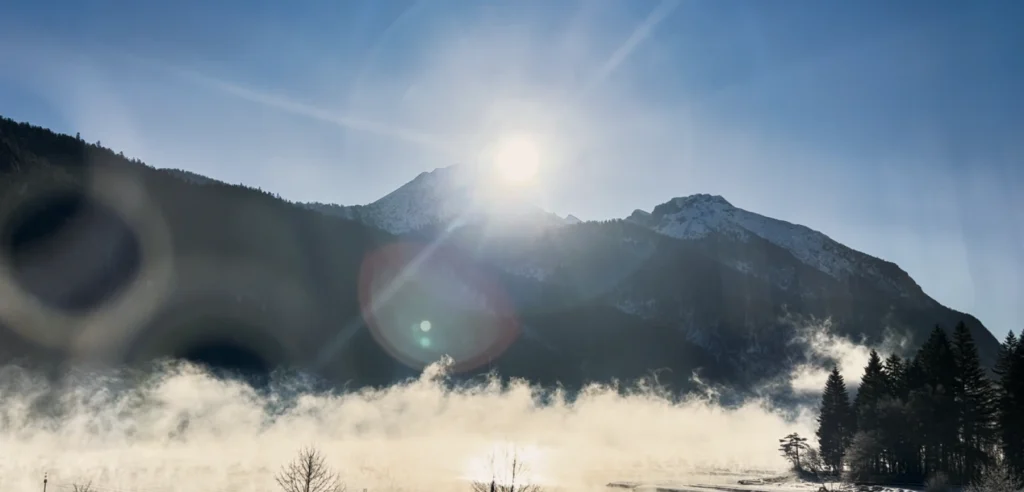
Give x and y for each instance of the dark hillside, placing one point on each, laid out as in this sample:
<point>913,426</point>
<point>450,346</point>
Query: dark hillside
<point>110,259</point>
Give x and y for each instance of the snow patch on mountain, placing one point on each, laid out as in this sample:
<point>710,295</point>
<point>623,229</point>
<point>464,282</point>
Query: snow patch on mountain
<point>440,197</point>
<point>448,197</point>
<point>463,195</point>
<point>697,216</point>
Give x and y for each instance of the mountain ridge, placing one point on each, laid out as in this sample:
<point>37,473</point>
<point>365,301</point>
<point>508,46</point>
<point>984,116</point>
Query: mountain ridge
<point>447,196</point>
<point>725,301</point>
<point>698,217</point>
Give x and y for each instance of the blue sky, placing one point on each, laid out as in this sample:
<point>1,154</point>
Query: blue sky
<point>894,127</point>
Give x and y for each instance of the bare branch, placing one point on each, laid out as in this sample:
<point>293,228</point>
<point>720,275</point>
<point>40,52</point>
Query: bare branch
<point>512,470</point>
<point>309,473</point>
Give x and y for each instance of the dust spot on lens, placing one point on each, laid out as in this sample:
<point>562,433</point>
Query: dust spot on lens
<point>70,251</point>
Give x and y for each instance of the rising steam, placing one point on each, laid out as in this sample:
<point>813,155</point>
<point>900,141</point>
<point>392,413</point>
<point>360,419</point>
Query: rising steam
<point>179,428</point>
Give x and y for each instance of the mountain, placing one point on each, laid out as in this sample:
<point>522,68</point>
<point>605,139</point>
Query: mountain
<point>106,259</point>
<point>736,283</point>
<point>822,276</point>
<point>444,197</point>
<point>697,216</point>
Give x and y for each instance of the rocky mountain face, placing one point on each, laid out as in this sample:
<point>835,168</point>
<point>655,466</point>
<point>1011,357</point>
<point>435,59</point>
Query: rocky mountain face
<point>368,294</point>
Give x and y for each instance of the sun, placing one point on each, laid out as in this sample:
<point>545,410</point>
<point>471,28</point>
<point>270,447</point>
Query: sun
<point>516,159</point>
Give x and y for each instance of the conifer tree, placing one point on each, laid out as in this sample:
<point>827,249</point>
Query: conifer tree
<point>1010,369</point>
<point>1006,351</point>
<point>895,420</point>
<point>937,405</point>
<point>835,423</point>
<point>895,374</point>
<point>976,407</point>
<point>873,387</point>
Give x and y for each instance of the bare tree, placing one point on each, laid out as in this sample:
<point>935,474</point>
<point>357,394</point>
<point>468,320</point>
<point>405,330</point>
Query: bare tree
<point>82,487</point>
<point>509,473</point>
<point>309,473</point>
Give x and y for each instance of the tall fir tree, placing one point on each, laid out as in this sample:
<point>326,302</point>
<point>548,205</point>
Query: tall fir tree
<point>1006,352</point>
<point>835,422</point>
<point>895,419</point>
<point>937,403</point>
<point>895,374</point>
<point>1010,369</point>
<point>874,388</point>
<point>976,407</point>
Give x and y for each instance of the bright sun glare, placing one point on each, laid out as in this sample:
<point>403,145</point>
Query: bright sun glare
<point>517,160</point>
<point>509,464</point>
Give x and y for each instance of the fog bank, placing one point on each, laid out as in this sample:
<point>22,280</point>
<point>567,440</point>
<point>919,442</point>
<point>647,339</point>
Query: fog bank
<point>181,429</point>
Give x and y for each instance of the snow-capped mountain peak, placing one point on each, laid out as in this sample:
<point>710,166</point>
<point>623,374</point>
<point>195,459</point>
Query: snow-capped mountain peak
<point>689,217</point>
<point>696,216</point>
<point>701,200</point>
<point>437,197</point>
<point>448,197</point>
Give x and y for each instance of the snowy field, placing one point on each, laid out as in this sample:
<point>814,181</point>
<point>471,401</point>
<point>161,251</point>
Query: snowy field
<point>727,482</point>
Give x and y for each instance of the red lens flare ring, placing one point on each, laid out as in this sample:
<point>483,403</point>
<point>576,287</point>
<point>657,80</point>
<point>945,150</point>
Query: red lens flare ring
<point>423,302</point>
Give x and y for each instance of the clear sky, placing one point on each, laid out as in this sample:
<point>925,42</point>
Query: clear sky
<point>896,128</point>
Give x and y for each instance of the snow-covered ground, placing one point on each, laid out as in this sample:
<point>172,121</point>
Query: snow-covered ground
<point>736,483</point>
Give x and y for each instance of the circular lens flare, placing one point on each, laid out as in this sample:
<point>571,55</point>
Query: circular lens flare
<point>422,303</point>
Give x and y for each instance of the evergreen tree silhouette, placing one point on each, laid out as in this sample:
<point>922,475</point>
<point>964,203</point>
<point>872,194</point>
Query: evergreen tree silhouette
<point>835,423</point>
<point>895,375</point>
<point>874,387</point>
<point>976,402</point>
<point>939,429</point>
<point>1010,403</point>
<point>896,420</point>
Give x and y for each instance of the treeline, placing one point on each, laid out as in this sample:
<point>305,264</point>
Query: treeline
<point>938,413</point>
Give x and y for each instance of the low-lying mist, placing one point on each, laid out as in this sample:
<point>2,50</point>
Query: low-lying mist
<point>179,428</point>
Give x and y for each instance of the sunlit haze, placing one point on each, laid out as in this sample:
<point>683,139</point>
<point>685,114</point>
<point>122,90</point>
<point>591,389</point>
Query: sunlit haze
<point>894,128</point>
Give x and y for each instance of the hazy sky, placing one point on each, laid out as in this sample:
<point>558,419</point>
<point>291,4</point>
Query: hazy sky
<point>896,128</point>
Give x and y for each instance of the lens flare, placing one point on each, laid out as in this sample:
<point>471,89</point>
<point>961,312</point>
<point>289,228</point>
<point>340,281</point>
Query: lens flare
<point>423,303</point>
